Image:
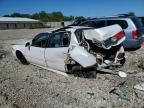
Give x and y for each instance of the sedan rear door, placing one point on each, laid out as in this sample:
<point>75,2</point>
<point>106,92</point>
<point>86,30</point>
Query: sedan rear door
<point>56,53</point>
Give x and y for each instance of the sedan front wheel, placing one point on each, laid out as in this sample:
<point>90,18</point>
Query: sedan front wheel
<point>21,57</point>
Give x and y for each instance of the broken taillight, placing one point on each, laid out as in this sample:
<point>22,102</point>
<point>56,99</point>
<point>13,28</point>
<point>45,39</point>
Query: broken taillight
<point>114,40</point>
<point>118,36</point>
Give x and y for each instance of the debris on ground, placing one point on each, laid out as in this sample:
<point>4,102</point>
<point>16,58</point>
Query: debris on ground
<point>141,64</point>
<point>139,86</point>
<point>108,71</point>
<point>122,74</point>
<point>120,94</point>
<point>2,54</point>
<point>121,84</point>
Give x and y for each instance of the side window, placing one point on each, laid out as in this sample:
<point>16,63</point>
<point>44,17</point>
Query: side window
<point>122,23</point>
<point>40,40</point>
<point>97,24</point>
<point>61,39</point>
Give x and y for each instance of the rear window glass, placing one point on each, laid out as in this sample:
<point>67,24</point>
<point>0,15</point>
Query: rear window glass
<point>97,24</point>
<point>85,24</point>
<point>122,23</point>
<point>77,22</point>
<point>137,22</point>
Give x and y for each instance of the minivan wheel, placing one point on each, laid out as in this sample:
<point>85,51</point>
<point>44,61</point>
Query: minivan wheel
<point>21,57</point>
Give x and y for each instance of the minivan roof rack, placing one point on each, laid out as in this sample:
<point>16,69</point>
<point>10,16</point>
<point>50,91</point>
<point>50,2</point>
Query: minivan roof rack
<point>117,16</point>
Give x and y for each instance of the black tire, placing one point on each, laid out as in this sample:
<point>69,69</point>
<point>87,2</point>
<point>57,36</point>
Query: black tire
<point>21,57</point>
<point>70,69</point>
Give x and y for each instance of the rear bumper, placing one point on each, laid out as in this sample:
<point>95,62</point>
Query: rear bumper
<point>117,61</point>
<point>133,43</point>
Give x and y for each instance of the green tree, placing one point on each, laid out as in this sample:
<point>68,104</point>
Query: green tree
<point>68,18</point>
<point>35,16</point>
<point>20,15</point>
<point>44,16</point>
<point>6,16</point>
<point>131,13</point>
<point>56,16</point>
<point>79,17</point>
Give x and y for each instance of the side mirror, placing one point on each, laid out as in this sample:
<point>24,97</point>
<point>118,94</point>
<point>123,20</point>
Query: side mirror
<point>27,44</point>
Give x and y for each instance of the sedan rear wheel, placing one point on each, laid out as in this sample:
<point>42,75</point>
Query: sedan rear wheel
<point>70,69</point>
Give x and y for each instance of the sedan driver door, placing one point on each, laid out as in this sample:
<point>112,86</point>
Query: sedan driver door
<point>35,52</point>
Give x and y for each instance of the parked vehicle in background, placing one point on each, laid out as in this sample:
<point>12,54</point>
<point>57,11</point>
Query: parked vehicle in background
<point>70,47</point>
<point>142,20</point>
<point>77,22</point>
<point>131,25</point>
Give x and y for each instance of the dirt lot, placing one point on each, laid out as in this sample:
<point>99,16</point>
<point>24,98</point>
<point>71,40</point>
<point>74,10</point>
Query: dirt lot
<point>27,86</point>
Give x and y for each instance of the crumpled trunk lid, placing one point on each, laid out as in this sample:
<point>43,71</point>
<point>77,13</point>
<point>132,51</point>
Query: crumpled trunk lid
<point>104,35</point>
<point>101,34</point>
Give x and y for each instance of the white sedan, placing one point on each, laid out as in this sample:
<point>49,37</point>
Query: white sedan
<point>63,49</point>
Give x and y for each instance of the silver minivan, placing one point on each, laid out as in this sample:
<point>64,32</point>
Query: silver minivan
<point>131,25</point>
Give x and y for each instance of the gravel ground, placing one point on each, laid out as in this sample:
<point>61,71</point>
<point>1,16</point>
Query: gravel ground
<point>28,86</point>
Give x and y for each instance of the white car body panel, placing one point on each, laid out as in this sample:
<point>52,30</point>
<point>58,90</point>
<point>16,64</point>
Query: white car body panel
<point>55,58</point>
<point>53,70</point>
<point>80,55</point>
<point>18,48</point>
<point>35,55</point>
<point>73,39</point>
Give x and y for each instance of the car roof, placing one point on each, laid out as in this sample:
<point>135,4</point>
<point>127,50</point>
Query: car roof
<point>79,27</point>
<point>110,18</point>
<point>67,28</point>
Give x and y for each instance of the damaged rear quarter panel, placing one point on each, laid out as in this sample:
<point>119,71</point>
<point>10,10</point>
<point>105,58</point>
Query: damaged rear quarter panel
<point>82,56</point>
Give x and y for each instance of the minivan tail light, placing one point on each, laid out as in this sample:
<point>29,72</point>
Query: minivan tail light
<point>135,34</point>
<point>119,35</point>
